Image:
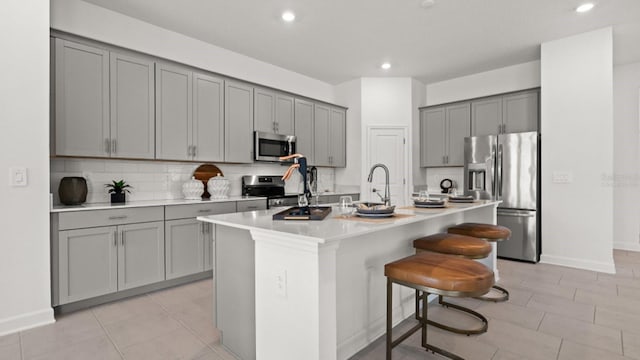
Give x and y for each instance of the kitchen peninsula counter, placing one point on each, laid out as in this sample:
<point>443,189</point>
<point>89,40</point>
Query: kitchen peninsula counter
<point>316,289</point>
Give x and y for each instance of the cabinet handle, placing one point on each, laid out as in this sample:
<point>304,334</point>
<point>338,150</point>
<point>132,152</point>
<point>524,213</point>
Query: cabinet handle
<point>194,151</point>
<point>115,238</point>
<point>122,238</point>
<point>188,150</point>
<point>204,210</point>
<point>113,146</point>
<point>107,146</point>
<point>252,207</point>
<point>504,128</point>
<point>117,217</point>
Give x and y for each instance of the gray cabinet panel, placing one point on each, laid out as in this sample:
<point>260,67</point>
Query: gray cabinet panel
<point>251,205</point>
<point>209,246</point>
<point>486,116</point>
<point>284,114</point>
<point>264,111</point>
<point>184,245</point>
<point>173,112</point>
<point>521,112</point>
<point>194,210</point>
<point>432,130</point>
<point>141,254</point>
<point>321,134</point>
<point>304,129</point>
<point>81,100</point>
<point>132,107</point>
<point>88,263</point>
<point>338,157</point>
<point>458,124</point>
<point>238,121</point>
<point>208,118</point>
<point>84,219</point>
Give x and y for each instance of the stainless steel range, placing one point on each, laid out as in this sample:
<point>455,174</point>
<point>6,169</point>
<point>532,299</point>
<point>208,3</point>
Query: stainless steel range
<point>271,186</point>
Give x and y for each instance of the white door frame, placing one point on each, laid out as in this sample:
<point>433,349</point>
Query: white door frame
<point>366,166</point>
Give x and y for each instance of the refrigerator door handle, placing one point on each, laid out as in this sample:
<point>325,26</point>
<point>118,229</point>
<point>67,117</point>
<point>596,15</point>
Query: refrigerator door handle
<point>499,189</point>
<point>524,213</point>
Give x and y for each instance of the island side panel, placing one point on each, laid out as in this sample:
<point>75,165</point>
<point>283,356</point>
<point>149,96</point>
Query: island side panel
<point>361,284</point>
<point>235,291</point>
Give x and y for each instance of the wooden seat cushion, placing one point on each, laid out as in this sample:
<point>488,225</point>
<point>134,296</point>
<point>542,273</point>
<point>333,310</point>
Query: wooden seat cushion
<point>442,272</point>
<point>466,246</point>
<point>483,231</point>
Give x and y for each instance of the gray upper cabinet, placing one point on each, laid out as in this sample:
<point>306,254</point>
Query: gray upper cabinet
<point>173,112</point>
<point>132,107</point>
<point>141,254</point>
<point>442,131</point>
<point>304,129</point>
<point>486,116</point>
<point>208,118</point>
<point>284,114</point>
<point>520,112</point>
<point>88,263</point>
<point>238,122</point>
<point>338,137</point>
<point>273,112</point>
<point>81,100</point>
<point>321,134</point>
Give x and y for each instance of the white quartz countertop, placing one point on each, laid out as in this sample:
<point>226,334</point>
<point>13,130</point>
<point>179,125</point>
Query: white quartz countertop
<point>147,203</point>
<point>332,227</point>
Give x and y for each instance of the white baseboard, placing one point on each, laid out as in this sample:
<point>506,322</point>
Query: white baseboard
<point>605,267</point>
<point>631,246</point>
<point>26,321</point>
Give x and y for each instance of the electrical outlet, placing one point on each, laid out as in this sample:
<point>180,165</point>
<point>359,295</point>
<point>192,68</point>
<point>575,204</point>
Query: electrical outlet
<point>281,282</point>
<point>18,176</point>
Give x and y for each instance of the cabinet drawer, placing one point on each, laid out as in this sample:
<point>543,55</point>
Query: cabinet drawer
<point>195,210</point>
<point>251,205</point>
<point>93,218</point>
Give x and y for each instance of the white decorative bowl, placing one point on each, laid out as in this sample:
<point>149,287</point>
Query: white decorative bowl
<point>218,187</point>
<point>193,189</point>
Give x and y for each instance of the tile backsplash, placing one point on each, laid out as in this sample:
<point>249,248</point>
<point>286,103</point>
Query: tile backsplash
<point>155,180</point>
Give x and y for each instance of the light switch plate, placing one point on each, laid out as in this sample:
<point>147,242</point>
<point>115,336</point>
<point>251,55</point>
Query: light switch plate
<point>18,176</point>
<point>562,177</point>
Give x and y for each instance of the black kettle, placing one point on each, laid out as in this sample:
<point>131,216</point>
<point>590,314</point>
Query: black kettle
<point>445,185</point>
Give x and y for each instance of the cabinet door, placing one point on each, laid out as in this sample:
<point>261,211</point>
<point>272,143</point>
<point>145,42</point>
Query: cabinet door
<point>173,112</point>
<point>140,254</point>
<point>208,118</point>
<point>432,142</point>
<point>264,110</point>
<point>87,261</point>
<point>338,138</point>
<point>81,100</point>
<point>284,114</point>
<point>209,246</point>
<point>132,107</point>
<point>238,122</point>
<point>521,112</point>
<point>321,120</point>
<point>458,127</point>
<point>184,245</point>
<point>486,117</point>
<point>304,129</point>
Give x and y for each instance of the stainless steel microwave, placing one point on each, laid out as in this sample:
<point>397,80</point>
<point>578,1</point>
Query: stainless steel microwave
<point>270,147</point>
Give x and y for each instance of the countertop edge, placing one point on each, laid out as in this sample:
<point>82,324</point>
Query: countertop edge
<point>149,203</point>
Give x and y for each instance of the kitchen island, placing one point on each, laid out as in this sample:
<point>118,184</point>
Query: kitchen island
<point>316,289</point>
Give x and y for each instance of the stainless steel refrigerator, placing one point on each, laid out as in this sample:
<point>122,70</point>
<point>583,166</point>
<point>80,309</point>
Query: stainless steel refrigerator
<point>506,167</point>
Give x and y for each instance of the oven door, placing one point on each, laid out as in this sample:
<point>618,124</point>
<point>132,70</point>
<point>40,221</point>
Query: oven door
<point>270,147</point>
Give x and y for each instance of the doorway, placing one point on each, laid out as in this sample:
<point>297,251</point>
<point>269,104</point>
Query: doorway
<point>387,145</point>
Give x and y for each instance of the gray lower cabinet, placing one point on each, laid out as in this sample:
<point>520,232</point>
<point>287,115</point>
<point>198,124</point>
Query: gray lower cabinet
<point>238,122</point>
<point>184,241</point>
<point>251,205</point>
<point>103,260</point>
<point>442,133</point>
<point>512,113</point>
<point>303,111</point>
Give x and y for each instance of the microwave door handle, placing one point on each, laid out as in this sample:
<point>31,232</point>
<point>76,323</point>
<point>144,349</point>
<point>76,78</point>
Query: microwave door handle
<point>290,146</point>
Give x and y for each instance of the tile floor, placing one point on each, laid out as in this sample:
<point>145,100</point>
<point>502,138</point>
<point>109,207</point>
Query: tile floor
<point>554,313</point>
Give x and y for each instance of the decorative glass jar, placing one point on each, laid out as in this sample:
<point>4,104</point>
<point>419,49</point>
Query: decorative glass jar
<point>193,189</point>
<point>218,187</point>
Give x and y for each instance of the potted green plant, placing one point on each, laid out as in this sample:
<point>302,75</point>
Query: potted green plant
<point>117,189</point>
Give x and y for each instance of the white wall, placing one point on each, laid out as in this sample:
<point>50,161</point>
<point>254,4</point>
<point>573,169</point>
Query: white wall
<point>506,79</point>
<point>577,137</point>
<point>418,99</point>
<point>626,175</point>
<point>350,95</point>
<point>91,21</point>
<point>24,142</point>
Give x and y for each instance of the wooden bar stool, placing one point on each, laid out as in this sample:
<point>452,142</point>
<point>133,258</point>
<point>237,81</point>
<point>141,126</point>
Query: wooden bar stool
<point>433,273</point>
<point>464,247</point>
<point>488,232</point>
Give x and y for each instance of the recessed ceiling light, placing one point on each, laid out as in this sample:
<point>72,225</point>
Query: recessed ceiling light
<point>386,66</point>
<point>584,7</point>
<point>288,16</point>
<point>427,3</point>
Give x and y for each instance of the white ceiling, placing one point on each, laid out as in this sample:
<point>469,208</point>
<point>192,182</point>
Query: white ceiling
<point>339,40</point>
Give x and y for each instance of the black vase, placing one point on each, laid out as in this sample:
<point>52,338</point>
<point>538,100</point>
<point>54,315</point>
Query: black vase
<point>117,197</point>
<point>73,190</point>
